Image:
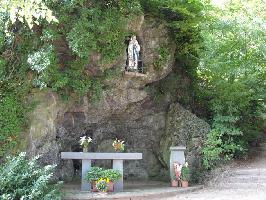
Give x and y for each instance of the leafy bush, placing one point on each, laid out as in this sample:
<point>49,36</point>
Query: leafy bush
<point>97,173</point>
<point>94,174</point>
<point>112,175</point>
<point>185,173</point>
<point>233,78</point>
<point>21,178</point>
<point>11,121</point>
<point>99,30</point>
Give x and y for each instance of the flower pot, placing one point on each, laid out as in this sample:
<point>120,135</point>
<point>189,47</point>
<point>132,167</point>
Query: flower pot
<point>184,184</point>
<point>110,186</point>
<point>174,183</point>
<point>93,187</point>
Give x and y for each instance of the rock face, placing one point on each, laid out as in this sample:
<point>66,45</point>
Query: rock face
<point>145,128</point>
<point>185,129</point>
<point>126,112</point>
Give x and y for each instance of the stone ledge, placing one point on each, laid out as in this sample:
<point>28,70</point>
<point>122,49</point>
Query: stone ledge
<point>135,194</point>
<point>134,74</point>
<point>101,156</point>
<point>178,148</point>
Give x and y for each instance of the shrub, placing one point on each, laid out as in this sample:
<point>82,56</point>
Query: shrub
<point>185,173</point>
<point>21,178</point>
<point>94,174</point>
<point>97,173</point>
<point>112,175</point>
<point>98,30</point>
<point>11,121</point>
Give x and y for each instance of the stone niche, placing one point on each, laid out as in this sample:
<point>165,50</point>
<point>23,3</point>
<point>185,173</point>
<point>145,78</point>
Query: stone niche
<point>126,111</point>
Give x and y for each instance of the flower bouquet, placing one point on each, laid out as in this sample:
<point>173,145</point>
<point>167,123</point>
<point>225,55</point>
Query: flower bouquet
<point>84,142</point>
<point>119,145</point>
<point>177,174</point>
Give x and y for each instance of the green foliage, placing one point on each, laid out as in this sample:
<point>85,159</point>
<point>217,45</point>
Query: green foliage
<point>97,173</point>
<point>183,20</point>
<point>29,11</point>
<point>2,69</point>
<point>21,178</point>
<point>233,77</point>
<point>112,73</point>
<point>111,174</point>
<point>94,174</point>
<point>11,121</point>
<point>221,51</point>
<point>99,30</point>
<point>95,29</point>
<point>96,90</point>
<point>49,34</point>
<point>14,86</point>
<point>185,173</point>
<point>163,56</point>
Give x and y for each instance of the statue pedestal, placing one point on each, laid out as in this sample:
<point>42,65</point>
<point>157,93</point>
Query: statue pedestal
<point>177,155</point>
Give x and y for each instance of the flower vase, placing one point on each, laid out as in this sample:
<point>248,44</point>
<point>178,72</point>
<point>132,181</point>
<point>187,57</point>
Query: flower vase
<point>85,149</point>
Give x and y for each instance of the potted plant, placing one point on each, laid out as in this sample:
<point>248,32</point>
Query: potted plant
<point>119,145</point>
<point>113,176</point>
<point>185,172</point>
<point>102,185</point>
<point>84,142</point>
<point>93,175</point>
<point>174,182</point>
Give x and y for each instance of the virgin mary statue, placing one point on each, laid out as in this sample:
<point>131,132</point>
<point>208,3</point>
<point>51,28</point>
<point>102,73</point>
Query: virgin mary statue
<point>133,54</point>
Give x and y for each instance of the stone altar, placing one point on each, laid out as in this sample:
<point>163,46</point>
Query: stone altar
<point>86,158</point>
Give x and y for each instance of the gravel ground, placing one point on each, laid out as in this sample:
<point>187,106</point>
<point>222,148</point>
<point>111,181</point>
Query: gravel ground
<point>224,194</point>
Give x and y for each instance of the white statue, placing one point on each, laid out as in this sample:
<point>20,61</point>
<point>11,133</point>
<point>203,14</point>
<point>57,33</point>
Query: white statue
<point>133,54</point>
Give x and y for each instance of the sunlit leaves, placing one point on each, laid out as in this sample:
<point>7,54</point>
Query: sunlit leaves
<point>22,178</point>
<point>29,11</point>
<point>233,71</point>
